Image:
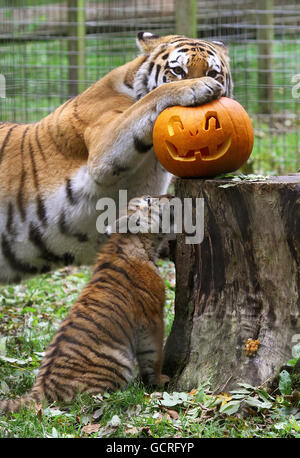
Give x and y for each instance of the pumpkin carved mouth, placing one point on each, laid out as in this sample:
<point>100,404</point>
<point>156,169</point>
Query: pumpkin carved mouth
<point>205,154</point>
<point>216,149</point>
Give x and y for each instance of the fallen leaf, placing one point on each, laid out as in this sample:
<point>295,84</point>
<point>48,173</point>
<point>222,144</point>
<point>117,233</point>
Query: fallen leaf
<point>91,428</point>
<point>156,394</point>
<point>132,431</point>
<point>173,414</point>
<point>4,387</point>
<point>85,419</point>
<point>106,431</point>
<point>224,398</point>
<point>193,392</point>
<point>115,421</point>
<point>98,413</point>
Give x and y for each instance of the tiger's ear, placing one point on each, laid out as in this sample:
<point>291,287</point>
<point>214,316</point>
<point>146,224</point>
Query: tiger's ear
<point>221,44</point>
<point>147,41</point>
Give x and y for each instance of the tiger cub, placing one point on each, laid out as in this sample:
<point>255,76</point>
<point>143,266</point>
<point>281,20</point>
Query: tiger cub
<point>117,320</point>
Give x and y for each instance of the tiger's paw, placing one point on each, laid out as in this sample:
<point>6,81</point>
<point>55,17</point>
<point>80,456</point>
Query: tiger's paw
<point>154,381</point>
<point>201,90</point>
<point>191,92</point>
<point>164,379</point>
<point>213,89</point>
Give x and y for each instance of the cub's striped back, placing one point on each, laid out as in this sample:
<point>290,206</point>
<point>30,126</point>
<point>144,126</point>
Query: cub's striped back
<point>117,319</point>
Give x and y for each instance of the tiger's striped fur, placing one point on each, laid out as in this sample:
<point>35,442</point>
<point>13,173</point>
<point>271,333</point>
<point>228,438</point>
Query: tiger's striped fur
<point>53,172</point>
<point>117,318</point>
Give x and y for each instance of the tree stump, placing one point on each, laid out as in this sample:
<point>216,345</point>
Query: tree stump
<point>242,282</point>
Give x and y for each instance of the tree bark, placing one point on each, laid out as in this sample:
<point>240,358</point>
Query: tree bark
<point>242,282</point>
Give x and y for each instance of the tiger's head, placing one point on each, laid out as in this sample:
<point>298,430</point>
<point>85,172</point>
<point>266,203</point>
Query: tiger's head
<point>176,57</point>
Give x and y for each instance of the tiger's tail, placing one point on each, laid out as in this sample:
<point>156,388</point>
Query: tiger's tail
<point>15,405</point>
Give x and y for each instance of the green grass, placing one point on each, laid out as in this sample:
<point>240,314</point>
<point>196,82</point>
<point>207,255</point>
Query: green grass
<point>30,314</point>
<point>277,137</point>
<point>276,154</point>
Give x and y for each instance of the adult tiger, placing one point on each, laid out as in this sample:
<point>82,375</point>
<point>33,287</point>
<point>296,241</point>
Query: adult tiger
<point>53,172</point>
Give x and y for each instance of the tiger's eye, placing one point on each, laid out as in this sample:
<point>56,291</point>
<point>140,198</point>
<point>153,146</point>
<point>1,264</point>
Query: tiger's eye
<point>178,70</point>
<point>212,73</point>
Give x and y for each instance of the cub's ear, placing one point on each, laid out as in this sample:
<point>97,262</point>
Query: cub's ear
<point>147,41</point>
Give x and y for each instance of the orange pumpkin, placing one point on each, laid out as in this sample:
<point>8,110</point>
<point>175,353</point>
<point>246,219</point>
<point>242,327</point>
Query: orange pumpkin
<point>203,141</point>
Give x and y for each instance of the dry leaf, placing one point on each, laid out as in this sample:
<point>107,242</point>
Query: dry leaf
<point>98,413</point>
<point>133,431</point>
<point>114,422</point>
<point>156,394</point>
<point>193,392</point>
<point>224,397</point>
<point>173,414</point>
<point>91,428</point>
<point>106,431</point>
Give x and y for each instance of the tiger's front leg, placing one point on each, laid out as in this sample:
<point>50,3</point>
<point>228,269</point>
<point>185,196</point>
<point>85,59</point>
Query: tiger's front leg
<point>119,148</point>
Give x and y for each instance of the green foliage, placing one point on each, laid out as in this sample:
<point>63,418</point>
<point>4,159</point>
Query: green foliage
<point>285,383</point>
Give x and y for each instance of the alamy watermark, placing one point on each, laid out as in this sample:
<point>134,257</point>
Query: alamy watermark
<point>2,86</point>
<point>157,215</point>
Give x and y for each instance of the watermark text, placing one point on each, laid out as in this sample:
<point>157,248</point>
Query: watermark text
<point>159,215</point>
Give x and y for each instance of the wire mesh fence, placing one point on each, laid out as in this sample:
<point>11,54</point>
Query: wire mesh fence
<point>52,49</point>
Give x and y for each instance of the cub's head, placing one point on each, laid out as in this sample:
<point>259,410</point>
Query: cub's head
<point>176,57</point>
<point>151,216</point>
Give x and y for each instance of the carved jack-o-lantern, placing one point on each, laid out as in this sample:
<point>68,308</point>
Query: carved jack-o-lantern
<point>203,141</point>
